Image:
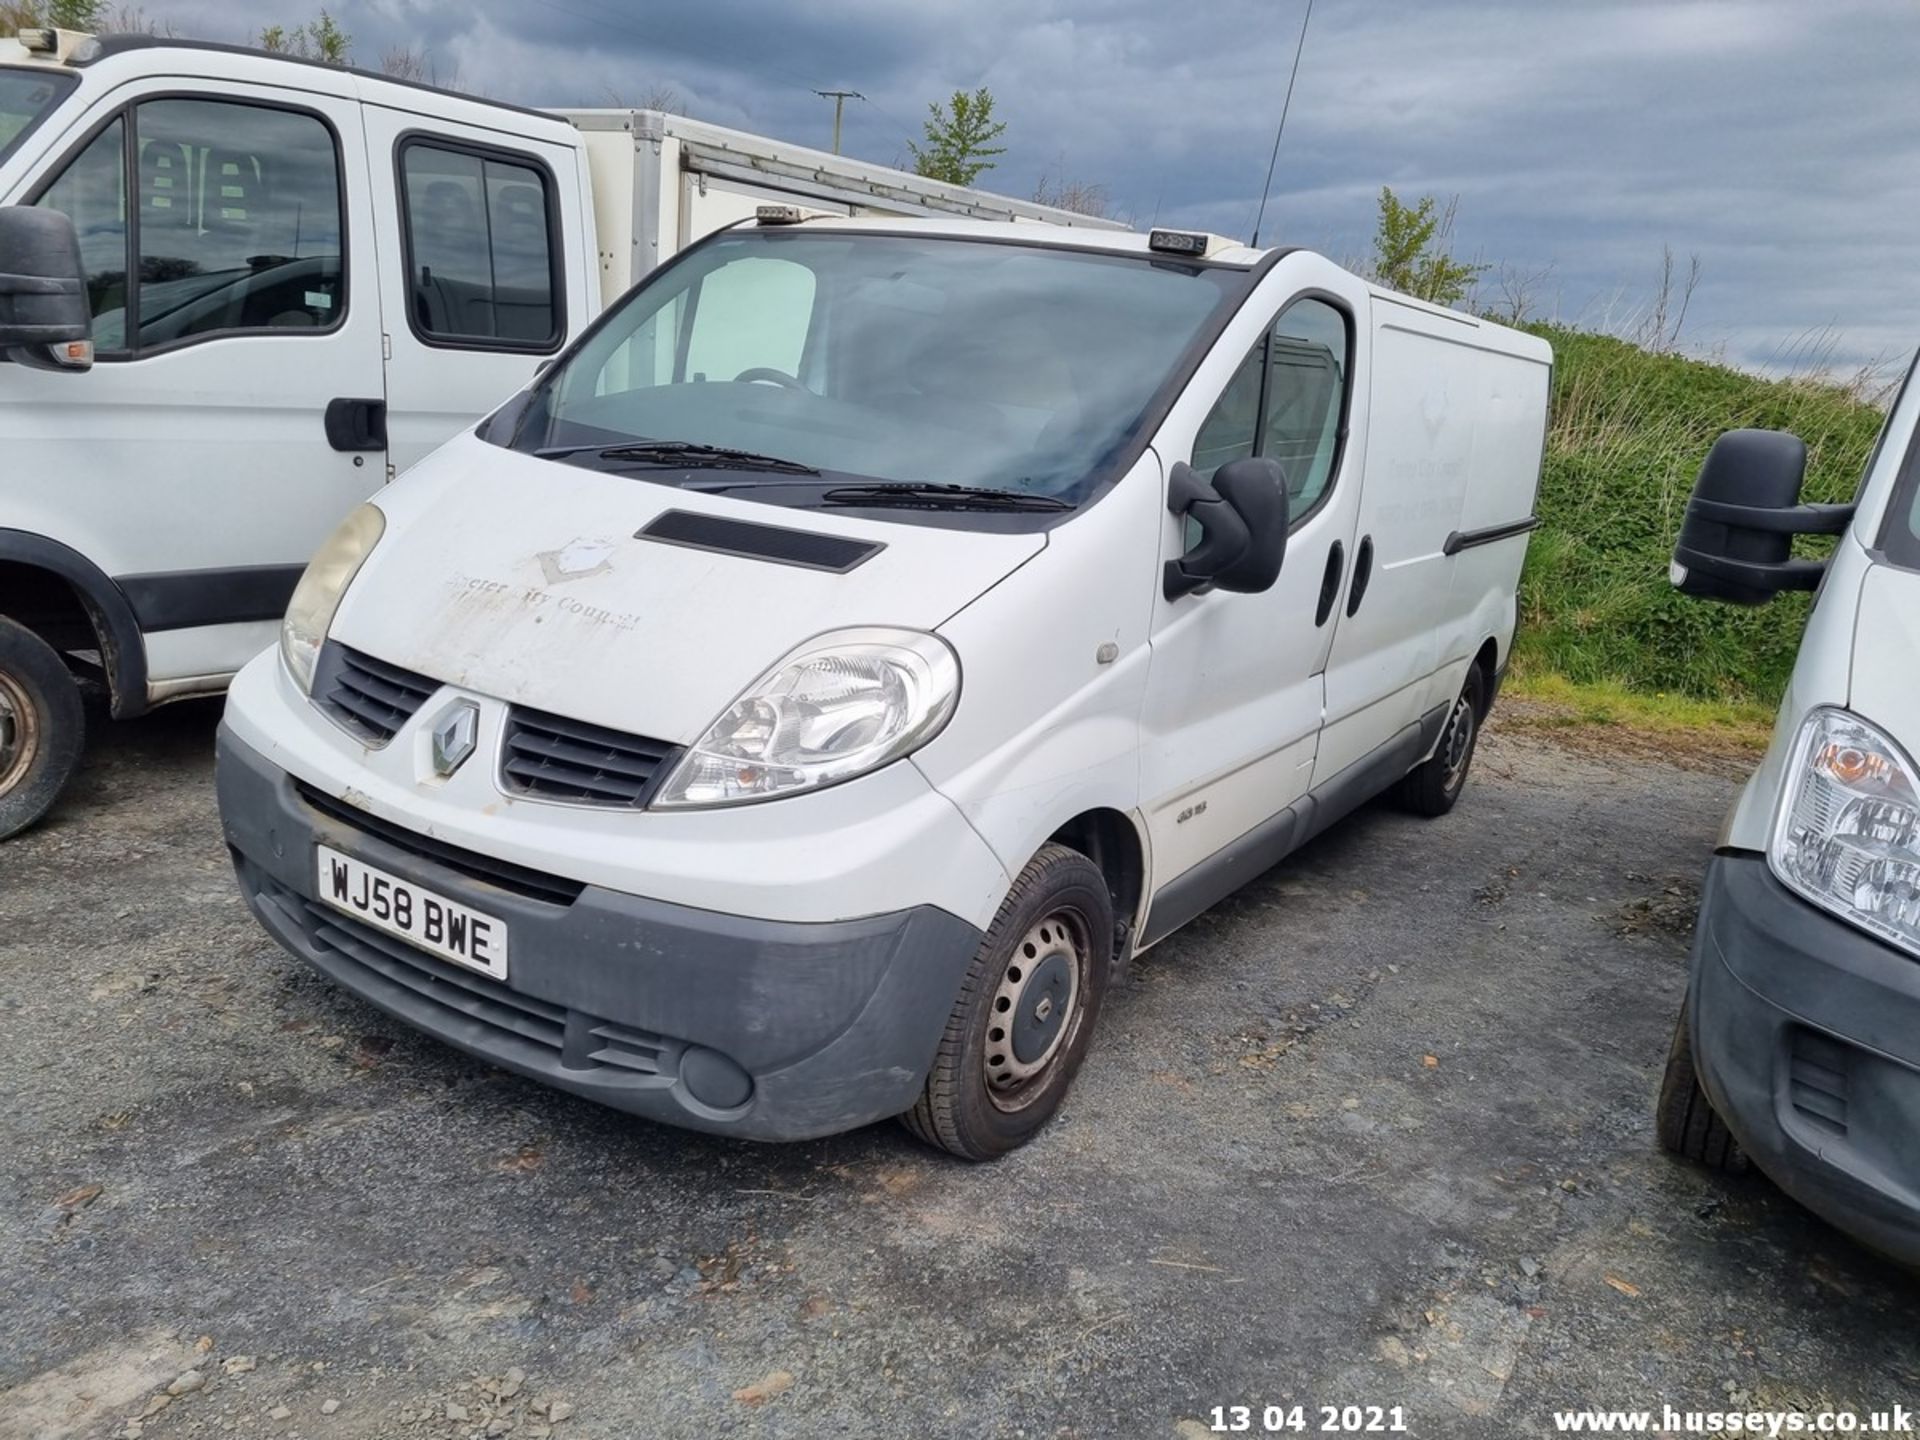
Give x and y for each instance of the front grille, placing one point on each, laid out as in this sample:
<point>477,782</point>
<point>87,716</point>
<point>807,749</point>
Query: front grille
<point>552,758</point>
<point>1817,1080</point>
<point>367,697</point>
<point>525,1023</point>
<point>520,879</point>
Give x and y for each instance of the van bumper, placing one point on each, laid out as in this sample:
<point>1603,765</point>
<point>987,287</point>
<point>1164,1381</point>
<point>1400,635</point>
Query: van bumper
<point>764,1029</point>
<point>1806,1036</point>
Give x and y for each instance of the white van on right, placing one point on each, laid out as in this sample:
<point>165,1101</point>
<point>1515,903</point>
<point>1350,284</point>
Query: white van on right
<point>1799,1044</point>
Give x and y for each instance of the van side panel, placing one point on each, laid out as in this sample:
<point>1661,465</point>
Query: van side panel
<point>1489,548</point>
<point>1457,423</point>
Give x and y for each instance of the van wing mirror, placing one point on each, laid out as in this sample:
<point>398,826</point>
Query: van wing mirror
<point>1242,517</point>
<point>45,320</point>
<point>1736,542</point>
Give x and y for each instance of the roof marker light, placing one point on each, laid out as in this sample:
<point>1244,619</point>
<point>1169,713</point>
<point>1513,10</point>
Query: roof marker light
<point>1178,242</point>
<point>42,41</point>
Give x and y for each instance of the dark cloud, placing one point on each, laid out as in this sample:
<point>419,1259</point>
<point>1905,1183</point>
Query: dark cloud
<point>1778,140</point>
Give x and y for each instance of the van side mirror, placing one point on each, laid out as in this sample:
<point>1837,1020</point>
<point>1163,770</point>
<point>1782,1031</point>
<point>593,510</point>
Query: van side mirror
<point>45,320</point>
<point>1736,542</point>
<point>1242,517</point>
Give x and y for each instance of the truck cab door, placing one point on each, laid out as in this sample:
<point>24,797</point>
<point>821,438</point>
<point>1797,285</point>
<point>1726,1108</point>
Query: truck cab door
<point>232,415</point>
<point>1232,719</point>
<point>486,269</point>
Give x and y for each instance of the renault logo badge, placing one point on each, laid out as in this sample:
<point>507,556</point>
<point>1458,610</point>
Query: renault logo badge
<point>453,737</point>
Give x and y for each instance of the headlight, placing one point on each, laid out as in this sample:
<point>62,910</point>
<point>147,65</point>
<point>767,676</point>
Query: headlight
<point>839,706</point>
<point>318,594</point>
<point>1848,837</point>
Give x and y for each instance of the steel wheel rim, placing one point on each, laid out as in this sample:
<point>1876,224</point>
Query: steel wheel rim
<point>1459,742</point>
<point>19,733</point>
<point>1036,1011</point>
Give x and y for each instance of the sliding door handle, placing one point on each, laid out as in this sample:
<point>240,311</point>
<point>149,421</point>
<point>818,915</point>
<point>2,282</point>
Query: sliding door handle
<point>1362,573</point>
<point>357,424</point>
<point>1330,582</point>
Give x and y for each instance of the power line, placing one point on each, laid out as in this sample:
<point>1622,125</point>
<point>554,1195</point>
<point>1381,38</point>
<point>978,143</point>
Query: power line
<point>1281,129</point>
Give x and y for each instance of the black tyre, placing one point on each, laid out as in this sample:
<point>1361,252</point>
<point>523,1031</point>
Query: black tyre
<point>42,727</point>
<point>1025,1014</point>
<point>1434,787</point>
<point>1685,1119</point>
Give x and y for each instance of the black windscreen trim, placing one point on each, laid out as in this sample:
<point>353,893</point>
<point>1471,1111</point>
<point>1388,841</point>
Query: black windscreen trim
<point>806,548</point>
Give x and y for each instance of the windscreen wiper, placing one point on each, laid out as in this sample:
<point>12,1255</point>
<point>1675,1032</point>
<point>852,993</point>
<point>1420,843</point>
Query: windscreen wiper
<point>910,494</point>
<point>684,453</point>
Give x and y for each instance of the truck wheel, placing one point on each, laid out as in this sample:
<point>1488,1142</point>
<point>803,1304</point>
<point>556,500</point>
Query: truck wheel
<point>42,727</point>
<point>1685,1119</point>
<point>1025,1014</point>
<point>1433,788</point>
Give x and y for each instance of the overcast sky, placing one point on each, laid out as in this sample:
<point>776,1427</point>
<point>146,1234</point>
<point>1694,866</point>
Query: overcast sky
<point>1778,140</point>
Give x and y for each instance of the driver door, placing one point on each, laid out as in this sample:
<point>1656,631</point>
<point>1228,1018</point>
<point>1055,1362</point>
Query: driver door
<point>228,250</point>
<point>1237,691</point>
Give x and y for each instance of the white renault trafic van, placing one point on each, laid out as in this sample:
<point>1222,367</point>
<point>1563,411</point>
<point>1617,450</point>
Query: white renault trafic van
<point>785,713</point>
<point>1799,1045</point>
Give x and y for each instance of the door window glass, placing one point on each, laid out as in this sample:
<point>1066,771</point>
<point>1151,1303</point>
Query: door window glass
<point>237,212</point>
<point>479,254</point>
<point>1285,401</point>
<point>239,220</point>
<point>92,192</point>
<point>1306,382</point>
<point>1229,432</point>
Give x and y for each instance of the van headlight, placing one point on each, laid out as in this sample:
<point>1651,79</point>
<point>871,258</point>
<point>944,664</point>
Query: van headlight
<point>325,580</point>
<point>1848,837</point>
<point>841,705</point>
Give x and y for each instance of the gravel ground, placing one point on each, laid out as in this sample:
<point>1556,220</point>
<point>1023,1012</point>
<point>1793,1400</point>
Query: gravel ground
<point>1376,1131</point>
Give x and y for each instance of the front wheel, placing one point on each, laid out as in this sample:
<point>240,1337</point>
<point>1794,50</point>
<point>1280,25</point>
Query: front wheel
<point>1432,789</point>
<point>1025,1014</point>
<point>1685,1119</point>
<point>42,727</point>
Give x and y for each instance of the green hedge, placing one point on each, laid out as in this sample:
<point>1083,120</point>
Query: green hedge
<point>1628,433</point>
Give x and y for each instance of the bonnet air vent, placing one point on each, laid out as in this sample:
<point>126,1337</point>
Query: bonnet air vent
<point>805,548</point>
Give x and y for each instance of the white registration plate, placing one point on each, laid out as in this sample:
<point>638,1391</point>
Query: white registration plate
<point>436,924</point>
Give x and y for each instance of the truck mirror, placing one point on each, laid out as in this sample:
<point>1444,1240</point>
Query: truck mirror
<point>1736,542</point>
<point>45,320</point>
<point>1242,517</point>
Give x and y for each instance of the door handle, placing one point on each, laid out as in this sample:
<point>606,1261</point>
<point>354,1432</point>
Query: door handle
<point>357,424</point>
<point>1362,573</point>
<point>1330,583</point>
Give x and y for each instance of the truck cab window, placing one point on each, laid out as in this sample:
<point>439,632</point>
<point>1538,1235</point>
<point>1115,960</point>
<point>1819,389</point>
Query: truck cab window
<point>92,192</point>
<point>236,209</point>
<point>479,249</point>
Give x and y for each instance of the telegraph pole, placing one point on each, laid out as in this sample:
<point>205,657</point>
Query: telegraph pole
<point>839,98</point>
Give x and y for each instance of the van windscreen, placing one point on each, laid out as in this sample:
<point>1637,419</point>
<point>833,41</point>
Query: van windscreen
<point>25,98</point>
<point>916,359</point>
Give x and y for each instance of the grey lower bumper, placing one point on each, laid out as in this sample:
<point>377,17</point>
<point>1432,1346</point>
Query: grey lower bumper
<point>757,1028</point>
<point>1806,1035</point>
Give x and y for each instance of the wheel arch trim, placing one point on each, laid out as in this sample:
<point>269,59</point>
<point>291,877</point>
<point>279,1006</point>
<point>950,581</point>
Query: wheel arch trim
<point>123,650</point>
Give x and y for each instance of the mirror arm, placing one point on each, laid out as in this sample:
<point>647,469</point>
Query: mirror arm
<point>1224,536</point>
<point>1792,519</point>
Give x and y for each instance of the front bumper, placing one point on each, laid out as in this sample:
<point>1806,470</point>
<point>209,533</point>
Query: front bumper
<point>1806,1036</point>
<point>765,1029</point>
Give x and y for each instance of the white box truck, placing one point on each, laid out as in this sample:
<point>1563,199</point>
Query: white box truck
<point>786,712</point>
<point>283,283</point>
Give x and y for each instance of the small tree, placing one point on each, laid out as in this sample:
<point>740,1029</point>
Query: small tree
<point>960,138</point>
<point>1410,250</point>
<point>61,14</point>
<point>322,39</point>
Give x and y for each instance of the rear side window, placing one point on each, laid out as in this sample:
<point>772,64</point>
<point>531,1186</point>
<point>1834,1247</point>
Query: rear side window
<point>227,217</point>
<point>1286,401</point>
<point>480,240</point>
